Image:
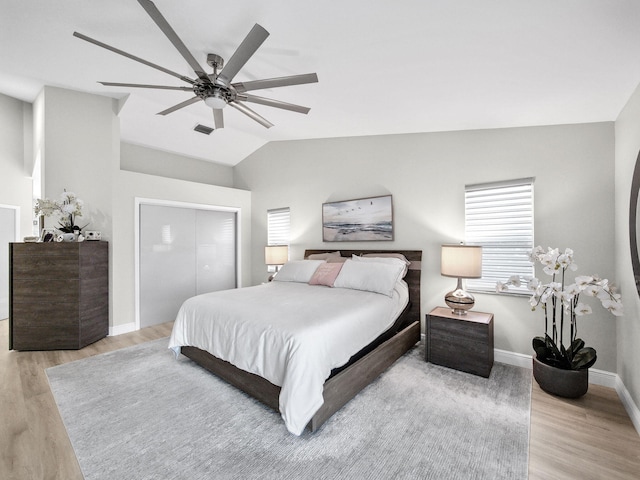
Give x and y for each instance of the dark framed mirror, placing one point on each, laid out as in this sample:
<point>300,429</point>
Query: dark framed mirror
<point>633,223</point>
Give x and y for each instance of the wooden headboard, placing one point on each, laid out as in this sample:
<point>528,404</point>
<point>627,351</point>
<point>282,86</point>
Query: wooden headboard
<point>412,277</point>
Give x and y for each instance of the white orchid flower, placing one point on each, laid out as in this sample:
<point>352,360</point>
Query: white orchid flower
<point>535,254</point>
<point>592,290</point>
<point>604,294</point>
<point>534,301</point>
<point>514,280</point>
<point>545,295</point>
<point>573,290</point>
<point>583,280</point>
<point>614,307</point>
<point>68,209</point>
<point>564,261</point>
<point>582,309</point>
<point>548,258</point>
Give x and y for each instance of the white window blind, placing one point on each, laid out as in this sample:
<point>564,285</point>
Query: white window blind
<point>499,216</point>
<point>278,225</point>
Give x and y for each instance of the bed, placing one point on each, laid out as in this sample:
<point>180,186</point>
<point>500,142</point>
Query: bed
<point>327,390</point>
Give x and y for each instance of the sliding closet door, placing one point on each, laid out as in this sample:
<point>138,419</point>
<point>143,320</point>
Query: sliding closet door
<point>215,251</point>
<point>183,252</point>
<point>7,235</point>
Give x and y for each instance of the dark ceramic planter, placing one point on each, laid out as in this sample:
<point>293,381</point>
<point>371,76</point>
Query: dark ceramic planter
<point>564,383</point>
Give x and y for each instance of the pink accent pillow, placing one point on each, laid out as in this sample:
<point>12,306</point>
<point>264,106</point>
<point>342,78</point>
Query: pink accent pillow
<point>326,274</point>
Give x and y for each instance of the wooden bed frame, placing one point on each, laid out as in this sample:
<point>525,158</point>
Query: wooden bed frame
<point>344,385</point>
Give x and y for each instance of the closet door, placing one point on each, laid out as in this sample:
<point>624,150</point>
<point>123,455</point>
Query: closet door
<point>215,251</point>
<point>183,252</point>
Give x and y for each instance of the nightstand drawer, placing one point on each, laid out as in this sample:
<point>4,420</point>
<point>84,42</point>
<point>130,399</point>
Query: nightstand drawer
<point>475,346</point>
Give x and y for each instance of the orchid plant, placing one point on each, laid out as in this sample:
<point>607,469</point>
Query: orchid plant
<point>561,303</point>
<point>66,209</point>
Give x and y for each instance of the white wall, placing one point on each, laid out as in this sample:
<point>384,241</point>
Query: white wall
<point>127,187</point>
<point>627,147</point>
<point>80,148</point>
<point>135,158</point>
<point>15,181</point>
<point>426,174</point>
<point>77,137</point>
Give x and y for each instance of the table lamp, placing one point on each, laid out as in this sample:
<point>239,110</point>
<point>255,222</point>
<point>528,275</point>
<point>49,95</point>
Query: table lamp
<point>460,261</point>
<point>276,255</point>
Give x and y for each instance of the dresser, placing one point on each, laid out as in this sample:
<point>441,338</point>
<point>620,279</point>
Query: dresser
<point>58,294</point>
<point>463,342</point>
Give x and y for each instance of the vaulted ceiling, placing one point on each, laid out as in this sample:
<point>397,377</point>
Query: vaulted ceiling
<point>383,67</point>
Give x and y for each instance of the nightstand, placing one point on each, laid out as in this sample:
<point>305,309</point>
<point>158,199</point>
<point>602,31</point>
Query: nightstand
<point>463,342</point>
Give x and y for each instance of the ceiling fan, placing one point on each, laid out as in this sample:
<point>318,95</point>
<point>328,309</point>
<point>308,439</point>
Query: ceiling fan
<point>216,89</point>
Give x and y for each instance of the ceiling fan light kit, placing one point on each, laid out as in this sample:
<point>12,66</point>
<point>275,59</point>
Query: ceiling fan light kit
<point>215,89</point>
<point>216,100</point>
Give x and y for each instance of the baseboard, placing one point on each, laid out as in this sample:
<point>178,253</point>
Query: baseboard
<point>512,358</point>
<point>629,404</point>
<point>120,329</point>
<point>597,377</point>
<point>602,377</point>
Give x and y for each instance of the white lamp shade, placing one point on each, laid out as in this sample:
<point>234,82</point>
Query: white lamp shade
<point>276,254</point>
<point>461,261</point>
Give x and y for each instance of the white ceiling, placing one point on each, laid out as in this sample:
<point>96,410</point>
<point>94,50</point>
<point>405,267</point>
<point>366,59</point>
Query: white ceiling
<point>384,67</point>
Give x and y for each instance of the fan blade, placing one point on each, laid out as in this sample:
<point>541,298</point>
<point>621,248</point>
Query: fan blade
<point>186,103</point>
<point>132,57</point>
<point>251,114</point>
<point>247,48</point>
<point>275,82</point>
<point>273,103</point>
<point>139,85</point>
<point>170,33</point>
<point>218,118</point>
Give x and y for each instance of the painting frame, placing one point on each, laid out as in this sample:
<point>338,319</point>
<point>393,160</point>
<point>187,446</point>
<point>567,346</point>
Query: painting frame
<point>48,235</point>
<point>366,219</point>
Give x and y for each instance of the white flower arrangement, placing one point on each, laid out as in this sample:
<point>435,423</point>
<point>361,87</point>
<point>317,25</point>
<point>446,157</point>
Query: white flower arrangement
<point>66,209</point>
<point>559,301</point>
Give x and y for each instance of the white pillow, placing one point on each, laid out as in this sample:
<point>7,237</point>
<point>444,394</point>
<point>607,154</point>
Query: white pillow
<point>297,271</point>
<point>374,277</point>
<point>385,259</point>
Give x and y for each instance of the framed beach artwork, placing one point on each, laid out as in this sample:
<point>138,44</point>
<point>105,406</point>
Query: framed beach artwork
<point>361,220</point>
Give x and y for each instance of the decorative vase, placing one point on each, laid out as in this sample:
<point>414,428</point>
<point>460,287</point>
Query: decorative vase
<point>66,237</point>
<point>561,382</point>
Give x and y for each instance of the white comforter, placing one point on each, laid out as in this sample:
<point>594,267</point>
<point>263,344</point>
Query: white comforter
<point>292,334</point>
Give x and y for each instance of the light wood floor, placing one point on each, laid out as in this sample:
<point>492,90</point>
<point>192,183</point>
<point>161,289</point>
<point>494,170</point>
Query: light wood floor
<point>588,438</point>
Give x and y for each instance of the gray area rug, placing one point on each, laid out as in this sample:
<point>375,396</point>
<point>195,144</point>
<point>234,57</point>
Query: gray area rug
<point>138,413</point>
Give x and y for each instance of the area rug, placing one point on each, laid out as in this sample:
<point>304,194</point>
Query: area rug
<point>140,413</point>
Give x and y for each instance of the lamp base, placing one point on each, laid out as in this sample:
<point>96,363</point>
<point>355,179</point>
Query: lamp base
<point>459,300</point>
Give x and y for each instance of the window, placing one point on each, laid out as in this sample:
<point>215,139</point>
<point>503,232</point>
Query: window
<point>278,226</point>
<point>499,216</point>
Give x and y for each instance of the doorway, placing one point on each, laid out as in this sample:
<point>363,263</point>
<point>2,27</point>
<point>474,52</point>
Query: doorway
<point>9,216</point>
<point>183,250</point>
